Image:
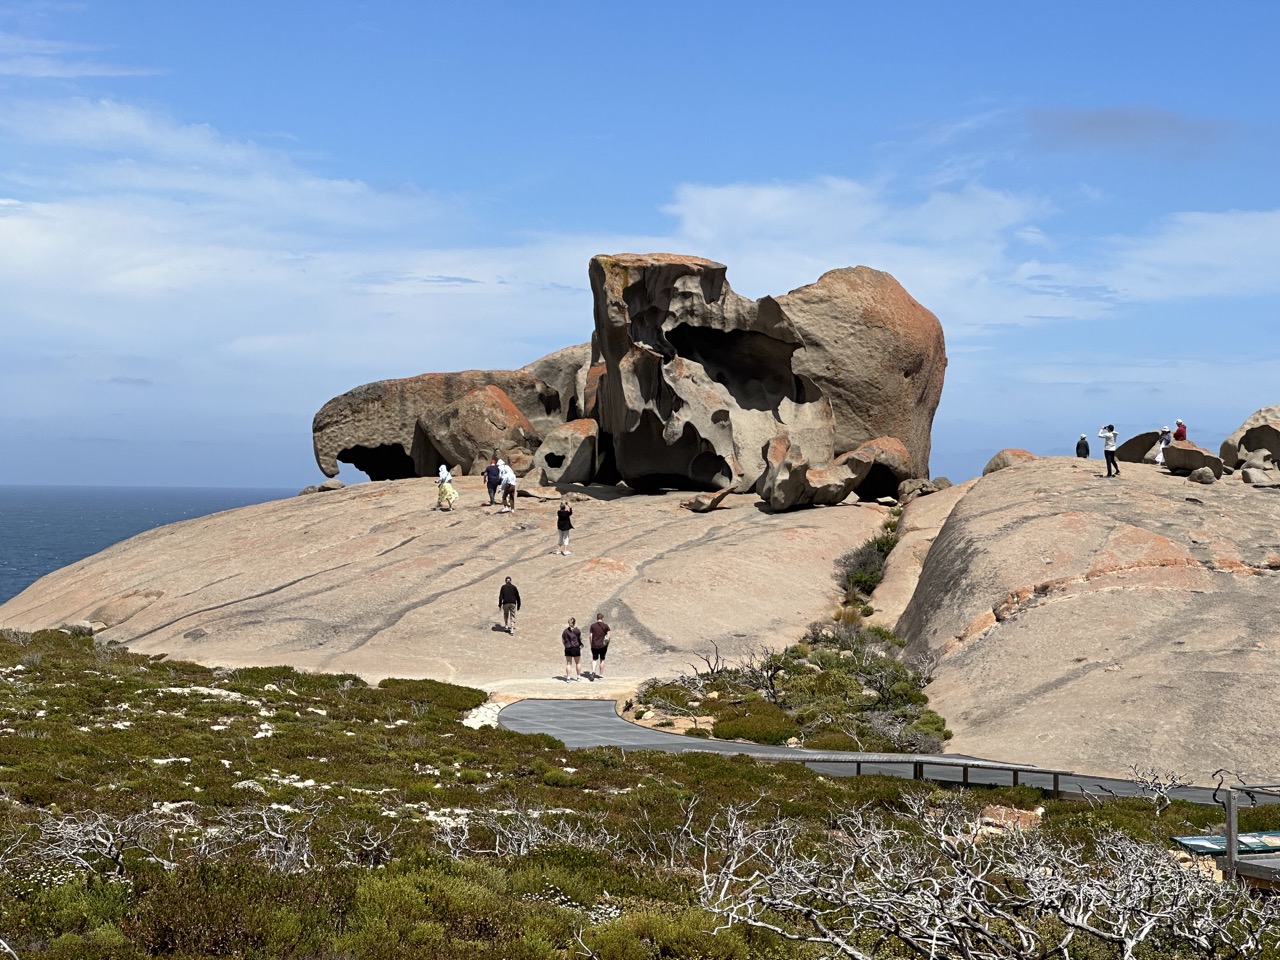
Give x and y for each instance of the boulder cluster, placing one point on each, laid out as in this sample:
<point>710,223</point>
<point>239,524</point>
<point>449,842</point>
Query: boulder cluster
<point>804,398</point>
<point>1251,451</point>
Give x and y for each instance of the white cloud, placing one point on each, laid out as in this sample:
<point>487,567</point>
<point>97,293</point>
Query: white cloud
<point>32,57</point>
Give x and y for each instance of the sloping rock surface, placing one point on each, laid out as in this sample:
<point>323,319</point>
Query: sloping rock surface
<point>371,580</point>
<point>1092,624</point>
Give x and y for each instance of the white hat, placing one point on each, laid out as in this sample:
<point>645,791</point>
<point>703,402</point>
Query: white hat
<point>1082,436</point>
<point>1177,421</point>
<point>1163,429</point>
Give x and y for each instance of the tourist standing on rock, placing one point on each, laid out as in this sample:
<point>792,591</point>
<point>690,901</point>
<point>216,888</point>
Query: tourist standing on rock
<point>445,493</point>
<point>599,633</point>
<point>1165,437</point>
<point>564,523</point>
<point>1082,448</point>
<point>572,639</point>
<point>508,603</point>
<point>1108,435</point>
<point>492,477</point>
<point>1179,430</point>
<point>507,478</point>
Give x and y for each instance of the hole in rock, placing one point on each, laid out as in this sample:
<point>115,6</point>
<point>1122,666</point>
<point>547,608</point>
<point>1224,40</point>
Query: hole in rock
<point>753,367</point>
<point>385,462</point>
<point>879,482</point>
<point>554,460</point>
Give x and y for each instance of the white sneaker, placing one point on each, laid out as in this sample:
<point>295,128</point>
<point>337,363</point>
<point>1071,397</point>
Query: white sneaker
<point>566,553</point>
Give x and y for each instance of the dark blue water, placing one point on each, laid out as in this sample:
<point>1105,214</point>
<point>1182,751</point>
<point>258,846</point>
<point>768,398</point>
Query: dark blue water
<point>44,528</point>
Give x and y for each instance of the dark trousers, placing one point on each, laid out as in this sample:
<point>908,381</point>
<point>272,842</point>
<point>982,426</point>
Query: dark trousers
<point>493,490</point>
<point>1111,462</point>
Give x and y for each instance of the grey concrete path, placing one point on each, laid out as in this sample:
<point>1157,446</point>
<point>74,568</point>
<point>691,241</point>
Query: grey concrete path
<point>595,723</point>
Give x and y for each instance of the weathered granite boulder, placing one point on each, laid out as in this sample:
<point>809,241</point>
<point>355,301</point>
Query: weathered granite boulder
<point>1140,449</point>
<point>699,380</point>
<point>1008,457</point>
<point>1257,476</point>
<point>568,453</point>
<point>1202,475</point>
<point>909,490</point>
<point>375,426</point>
<point>1262,439</point>
<point>1183,456</point>
<point>790,480</point>
<point>1229,452</point>
<point>563,371</point>
<point>873,351</point>
<point>1086,626</point>
<point>889,464</point>
<point>479,424</point>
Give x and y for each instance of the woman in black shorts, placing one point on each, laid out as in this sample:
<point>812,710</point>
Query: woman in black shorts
<point>572,639</point>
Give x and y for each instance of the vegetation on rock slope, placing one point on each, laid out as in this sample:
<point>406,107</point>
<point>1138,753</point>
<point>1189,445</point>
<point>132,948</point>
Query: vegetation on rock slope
<point>162,809</point>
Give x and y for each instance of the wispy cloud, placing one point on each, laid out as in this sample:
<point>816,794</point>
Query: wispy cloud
<point>36,58</point>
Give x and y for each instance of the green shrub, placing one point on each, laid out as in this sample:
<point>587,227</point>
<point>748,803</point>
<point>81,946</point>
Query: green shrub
<point>758,721</point>
<point>699,732</point>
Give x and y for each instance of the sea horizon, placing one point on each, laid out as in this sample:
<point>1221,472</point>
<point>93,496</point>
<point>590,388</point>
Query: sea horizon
<point>45,527</point>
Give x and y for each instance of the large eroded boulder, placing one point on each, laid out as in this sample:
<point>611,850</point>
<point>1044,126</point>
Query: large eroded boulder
<point>873,351</point>
<point>1008,457</point>
<point>1261,440</point>
<point>568,453</point>
<point>699,380</point>
<point>1229,452</point>
<point>375,426</point>
<point>1140,449</point>
<point>1183,456</point>
<point>1092,625</point>
<point>479,425</point>
<point>564,371</point>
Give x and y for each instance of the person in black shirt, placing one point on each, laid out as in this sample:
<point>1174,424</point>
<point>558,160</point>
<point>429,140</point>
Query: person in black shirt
<point>564,523</point>
<point>509,603</point>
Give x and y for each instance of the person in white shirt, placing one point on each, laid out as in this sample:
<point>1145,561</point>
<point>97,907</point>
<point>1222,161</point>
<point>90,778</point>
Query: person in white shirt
<point>1108,435</point>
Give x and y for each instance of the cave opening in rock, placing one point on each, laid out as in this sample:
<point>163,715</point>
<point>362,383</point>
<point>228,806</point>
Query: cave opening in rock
<point>385,462</point>
<point>754,367</point>
<point>879,482</point>
<point>690,463</point>
<point>554,460</point>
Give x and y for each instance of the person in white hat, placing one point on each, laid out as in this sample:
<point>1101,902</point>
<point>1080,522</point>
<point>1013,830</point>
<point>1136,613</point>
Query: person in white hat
<point>1180,430</point>
<point>1082,447</point>
<point>1165,437</point>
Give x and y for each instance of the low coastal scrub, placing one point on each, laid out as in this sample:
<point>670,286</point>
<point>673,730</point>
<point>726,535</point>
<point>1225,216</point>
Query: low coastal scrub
<point>844,687</point>
<point>153,808</point>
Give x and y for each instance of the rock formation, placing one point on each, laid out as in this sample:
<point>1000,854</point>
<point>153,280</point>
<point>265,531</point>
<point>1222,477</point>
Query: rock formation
<point>375,427</point>
<point>1090,625</point>
<point>1008,457</point>
<point>688,382</point>
<point>1139,449</point>
<point>790,480</point>
<point>1183,456</point>
<point>1229,452</point>
<point>481,423</point>
<point>568,453</point>
<point>699,380</point>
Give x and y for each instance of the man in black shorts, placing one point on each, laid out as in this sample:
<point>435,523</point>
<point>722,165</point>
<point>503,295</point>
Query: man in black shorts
<point>572,640</point>
<point>599,645</point>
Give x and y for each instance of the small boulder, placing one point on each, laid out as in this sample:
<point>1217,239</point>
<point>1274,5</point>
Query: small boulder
<point>908,490</point>
<point>333,484</point>
<point>1202,475</point>
<point>1008,457</point>
<point>706,502</point>
<point>1183,456</point>
<point>1257,477</point>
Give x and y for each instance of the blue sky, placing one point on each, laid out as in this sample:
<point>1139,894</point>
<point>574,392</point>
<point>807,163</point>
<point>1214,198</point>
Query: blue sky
<point>216,216</point>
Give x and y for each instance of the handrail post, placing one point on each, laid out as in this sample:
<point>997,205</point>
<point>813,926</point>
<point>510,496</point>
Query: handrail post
<point>1233,834</point>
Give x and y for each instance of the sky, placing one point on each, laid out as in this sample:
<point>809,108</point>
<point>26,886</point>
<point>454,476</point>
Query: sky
<point>215,216</point>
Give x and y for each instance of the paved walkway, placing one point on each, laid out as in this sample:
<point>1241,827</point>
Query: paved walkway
<point>595,723</point>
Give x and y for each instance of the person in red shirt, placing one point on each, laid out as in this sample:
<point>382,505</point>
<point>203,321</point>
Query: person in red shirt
<point>1179,430</point>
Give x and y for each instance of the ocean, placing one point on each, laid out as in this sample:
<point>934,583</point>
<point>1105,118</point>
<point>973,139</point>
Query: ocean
<point>45,528</point>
